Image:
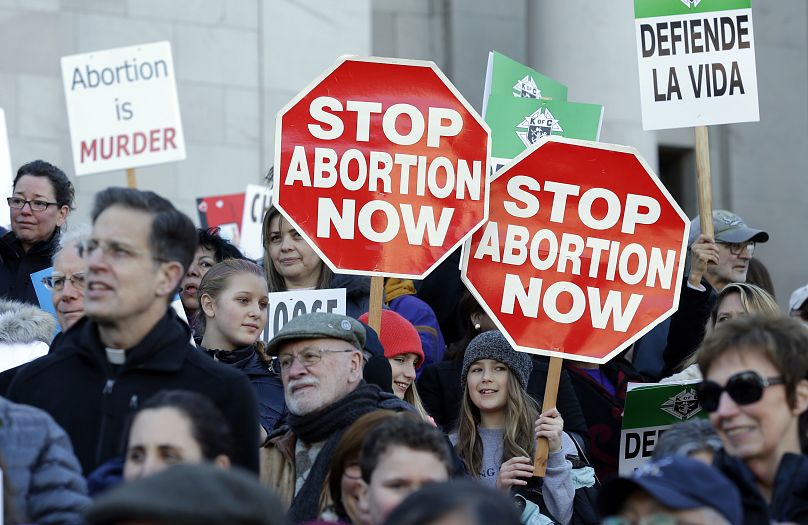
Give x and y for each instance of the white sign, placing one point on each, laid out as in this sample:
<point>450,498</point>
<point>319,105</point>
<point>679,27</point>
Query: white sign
<point>285,306</point>
<point>6,175</point>
<point>122,107</point>
<point>696,63</point>
<point>257,199</point>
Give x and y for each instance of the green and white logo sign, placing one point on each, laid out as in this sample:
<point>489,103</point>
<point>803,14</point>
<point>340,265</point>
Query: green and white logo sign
<point>649,411</point>
<point>538,124</point>
<point>526,88</point>
<point>696,62</point>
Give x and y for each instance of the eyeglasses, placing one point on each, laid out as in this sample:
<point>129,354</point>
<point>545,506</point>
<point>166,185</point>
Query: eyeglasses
<point>656,519</point>
<point>112,250</point>
<point>735,248</point>
<point>19,203</point>
<point>308,357</point>
<point>57,282</point>
<point>744,388</point>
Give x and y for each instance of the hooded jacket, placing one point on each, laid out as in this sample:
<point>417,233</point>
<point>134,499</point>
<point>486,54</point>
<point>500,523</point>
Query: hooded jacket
<point>94,400</point>
<point>25,333</point>
<point>41,471</point>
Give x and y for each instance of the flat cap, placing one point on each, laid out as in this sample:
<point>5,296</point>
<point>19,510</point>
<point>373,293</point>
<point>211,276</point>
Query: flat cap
<point>319,324</point>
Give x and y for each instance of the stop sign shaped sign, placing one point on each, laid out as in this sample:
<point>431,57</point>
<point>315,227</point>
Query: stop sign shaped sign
<point>583,251</point>
<point>382,166</point>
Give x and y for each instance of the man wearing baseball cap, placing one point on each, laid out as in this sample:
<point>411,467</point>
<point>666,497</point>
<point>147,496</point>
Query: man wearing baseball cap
<point>676,488</point>
<point>735,242</point>
<point>319,359</point>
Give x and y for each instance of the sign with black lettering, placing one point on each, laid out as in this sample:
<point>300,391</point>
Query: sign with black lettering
<point>649,411</point>
<point>696,62</point>
<point>122,107</point>
<point>285,306</point>
<point>6,175</point>
<point>257,199</point>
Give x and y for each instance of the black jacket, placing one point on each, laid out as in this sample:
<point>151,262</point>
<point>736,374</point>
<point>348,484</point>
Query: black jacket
<point>790,495</point>
<point>93,402</point>
<point>267,384</point>
<point>18,265</point>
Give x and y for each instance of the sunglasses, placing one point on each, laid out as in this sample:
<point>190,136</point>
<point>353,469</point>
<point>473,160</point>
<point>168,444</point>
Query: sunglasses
<point>744,388</point>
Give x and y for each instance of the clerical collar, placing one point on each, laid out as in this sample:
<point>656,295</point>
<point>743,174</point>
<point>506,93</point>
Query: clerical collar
<point>116,356</point>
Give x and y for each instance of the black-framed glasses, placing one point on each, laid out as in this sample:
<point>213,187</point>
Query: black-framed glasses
<point>57,282</point>
<point>744,388</point>
<point>308,357</point>
<point>19,203</point>
<point>735,248</point>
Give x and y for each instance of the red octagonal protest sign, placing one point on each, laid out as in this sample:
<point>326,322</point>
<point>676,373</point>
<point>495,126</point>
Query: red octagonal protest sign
<point>583,251</point>
<point>382,166</point>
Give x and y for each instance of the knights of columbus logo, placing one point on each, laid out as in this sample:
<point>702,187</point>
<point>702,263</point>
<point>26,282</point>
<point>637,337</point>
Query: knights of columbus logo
<point>526,88</point>
<point>537,125</point>
<point>691,3</point>
<point>683,405</point>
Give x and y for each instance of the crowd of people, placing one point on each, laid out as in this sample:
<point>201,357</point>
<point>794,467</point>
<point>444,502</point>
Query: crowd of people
<point>119,409</point>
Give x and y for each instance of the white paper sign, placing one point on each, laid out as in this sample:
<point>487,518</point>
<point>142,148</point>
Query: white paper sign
<point>697,67</point>
<point>285,306</point>
<point>122,107</point>
<point>257,199</point>
<point>6,175</point>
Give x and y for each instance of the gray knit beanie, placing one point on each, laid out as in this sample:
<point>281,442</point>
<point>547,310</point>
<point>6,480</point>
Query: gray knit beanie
<point>493,345</point>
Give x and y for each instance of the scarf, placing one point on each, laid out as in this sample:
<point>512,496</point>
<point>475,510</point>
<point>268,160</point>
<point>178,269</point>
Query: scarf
<point>394,288</point>
<point>328,424</point>
<point>239,356</point>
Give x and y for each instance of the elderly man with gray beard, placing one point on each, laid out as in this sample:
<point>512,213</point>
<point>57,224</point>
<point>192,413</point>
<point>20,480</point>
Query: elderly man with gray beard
<point>319,358</point>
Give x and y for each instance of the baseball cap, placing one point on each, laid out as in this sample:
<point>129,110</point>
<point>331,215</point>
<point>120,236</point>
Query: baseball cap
<point>797,299</point>
<point>319,324</point>
<point>677,482</point>
<point>728,227</point>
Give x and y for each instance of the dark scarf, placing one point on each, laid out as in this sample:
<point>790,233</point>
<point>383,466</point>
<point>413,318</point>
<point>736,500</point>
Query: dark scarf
<point>239,356</point>
<point>328,424</point>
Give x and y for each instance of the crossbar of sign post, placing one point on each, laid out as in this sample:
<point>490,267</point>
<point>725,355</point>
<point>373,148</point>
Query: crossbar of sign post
<point>356,170</point>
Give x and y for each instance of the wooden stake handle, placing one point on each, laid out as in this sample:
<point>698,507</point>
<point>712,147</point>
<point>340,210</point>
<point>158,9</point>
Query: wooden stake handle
<point>131,181</point>
<point>704,184</point>
<point>550,397</point>
<point>376,296</point>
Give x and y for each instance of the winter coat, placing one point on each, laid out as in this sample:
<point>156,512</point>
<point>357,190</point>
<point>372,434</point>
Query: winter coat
<point>25,333</point>
<point>268,385</point>
<point>789,503</point>
<point>603,411</point>
<point>93,400</point>
<point>18,265</point>
<point>357,293</point>
<point>400,295</point>
<point>41,470</point>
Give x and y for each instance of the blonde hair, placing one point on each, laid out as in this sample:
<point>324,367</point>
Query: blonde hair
<point>754,299</point>
<point>411,396</point>
<point>521,412</point>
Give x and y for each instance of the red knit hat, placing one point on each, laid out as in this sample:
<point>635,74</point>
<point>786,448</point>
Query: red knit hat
<point>398,336</point>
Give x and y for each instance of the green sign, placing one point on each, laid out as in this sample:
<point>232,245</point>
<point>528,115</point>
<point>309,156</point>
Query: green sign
<point>652,8</point>
<point>651,409</point>
<point>507,77</point>
<point>517,123</point>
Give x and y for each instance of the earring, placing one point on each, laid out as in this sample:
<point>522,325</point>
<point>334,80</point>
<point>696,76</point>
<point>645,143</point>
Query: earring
<point>476,326</point>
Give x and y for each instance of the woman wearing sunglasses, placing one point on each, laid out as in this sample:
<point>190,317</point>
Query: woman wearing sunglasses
<point>755,390</point>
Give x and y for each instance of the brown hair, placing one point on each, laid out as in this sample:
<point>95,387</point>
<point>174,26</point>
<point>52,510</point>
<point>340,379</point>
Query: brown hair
<point>347,453</point>
<point>781,340</point>
<point>275,280</point>
<point>521,413</point>
<point>215,281</point>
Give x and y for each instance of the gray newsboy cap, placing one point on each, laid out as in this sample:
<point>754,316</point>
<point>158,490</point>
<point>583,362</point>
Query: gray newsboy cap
<point>493,345</point>
<point>319,324</point>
